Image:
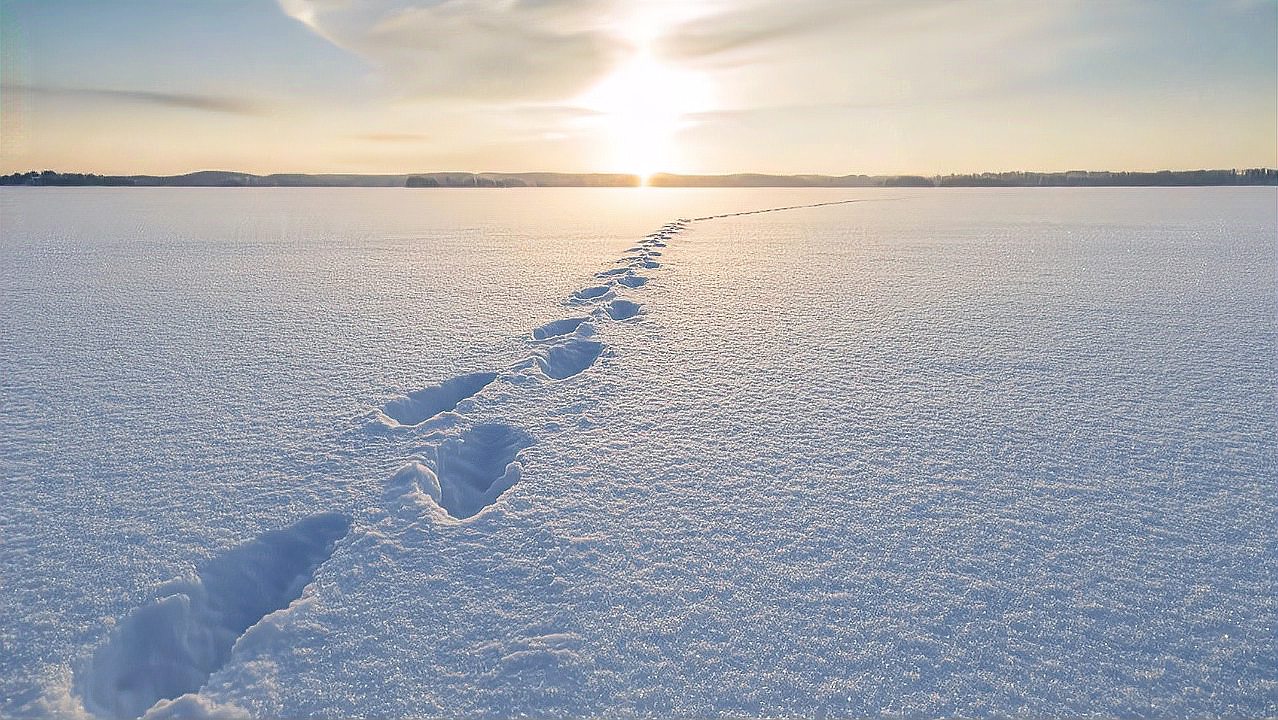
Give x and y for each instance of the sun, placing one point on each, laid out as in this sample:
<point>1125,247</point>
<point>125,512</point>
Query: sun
<point>642,107</point>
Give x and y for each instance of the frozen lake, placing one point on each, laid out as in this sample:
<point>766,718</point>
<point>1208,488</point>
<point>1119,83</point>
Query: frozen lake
<point>478,453</point>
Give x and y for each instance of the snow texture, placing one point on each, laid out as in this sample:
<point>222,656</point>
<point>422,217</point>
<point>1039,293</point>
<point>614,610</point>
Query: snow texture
<point>907,452</point>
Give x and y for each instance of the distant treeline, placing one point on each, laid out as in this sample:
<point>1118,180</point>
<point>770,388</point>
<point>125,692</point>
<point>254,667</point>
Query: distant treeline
<point>1089,178</point>
<point>1073,178</point>
<point>220,178</point>
<point>49,177</point>
<point>758,180</point>
<point>431,181</point>
<point>504,180</point>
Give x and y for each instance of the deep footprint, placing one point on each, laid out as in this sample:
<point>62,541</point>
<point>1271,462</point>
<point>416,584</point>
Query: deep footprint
<point>555,328</point>
<point>621,309</point>
<point>421,405</point>
<point>171,646</point>
<point>569,358</point>
<point>474,470</point>
<point>591,293</point>
<point>632,281</point>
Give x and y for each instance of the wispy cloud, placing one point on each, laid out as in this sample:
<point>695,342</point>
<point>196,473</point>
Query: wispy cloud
<point>878,53</point>
<point>873,52</point>
<point>749,26</point>
<point>185,101</point>
<point>527,51</point>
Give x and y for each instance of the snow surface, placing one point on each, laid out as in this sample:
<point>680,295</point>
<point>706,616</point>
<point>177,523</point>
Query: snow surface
<point>549,452</point>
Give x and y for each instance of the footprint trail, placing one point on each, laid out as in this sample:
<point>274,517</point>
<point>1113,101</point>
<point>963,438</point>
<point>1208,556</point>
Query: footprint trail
<point>794,207</point>
<point>463,471</point>
<point>167,649</point>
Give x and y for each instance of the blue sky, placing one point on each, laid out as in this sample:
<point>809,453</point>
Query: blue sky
<point>832,86</point>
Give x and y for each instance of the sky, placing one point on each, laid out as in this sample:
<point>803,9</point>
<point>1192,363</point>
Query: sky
<point>638,86</point>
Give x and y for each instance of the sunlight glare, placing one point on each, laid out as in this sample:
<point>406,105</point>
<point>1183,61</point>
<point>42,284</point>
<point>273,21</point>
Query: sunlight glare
<point>643,106</point>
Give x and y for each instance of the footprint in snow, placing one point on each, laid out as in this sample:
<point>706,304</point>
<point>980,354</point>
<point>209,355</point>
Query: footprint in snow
<point>564,360</point>
<point>556,328</point>
<point>469,473</point>
<point>587,294</point>
<point>621,309</point>
<point>419,406</point>
<point>172,645</point>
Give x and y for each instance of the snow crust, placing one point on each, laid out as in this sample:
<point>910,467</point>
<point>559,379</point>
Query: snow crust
<point>929,453</point>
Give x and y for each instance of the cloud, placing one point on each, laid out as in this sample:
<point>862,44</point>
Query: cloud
<point>878,53</point>
<point>749,26</point>
<point>207,103</point>
<point>854,27</point>
<point>759,52</point>
<point>525,50</point>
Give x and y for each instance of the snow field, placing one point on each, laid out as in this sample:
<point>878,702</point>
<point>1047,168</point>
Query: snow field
<point>168,649</point>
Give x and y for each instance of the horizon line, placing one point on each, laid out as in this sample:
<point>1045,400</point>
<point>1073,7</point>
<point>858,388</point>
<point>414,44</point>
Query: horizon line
<point>646,175</point>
